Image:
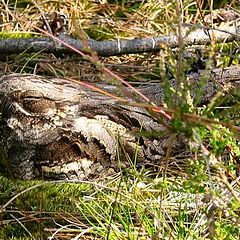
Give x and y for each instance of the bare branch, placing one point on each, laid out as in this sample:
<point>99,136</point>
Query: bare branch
<point>118,47</point>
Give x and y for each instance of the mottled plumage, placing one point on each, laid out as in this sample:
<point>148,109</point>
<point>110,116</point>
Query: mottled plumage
<point>58,129</point>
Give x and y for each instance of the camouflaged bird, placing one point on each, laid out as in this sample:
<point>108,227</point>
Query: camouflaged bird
<point>54,128</point>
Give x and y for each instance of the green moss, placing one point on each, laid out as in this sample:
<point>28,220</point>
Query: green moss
<point>10,35</point>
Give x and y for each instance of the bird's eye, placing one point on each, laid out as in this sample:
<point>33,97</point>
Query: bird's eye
<point>28,95</point>
<point>35,102</point>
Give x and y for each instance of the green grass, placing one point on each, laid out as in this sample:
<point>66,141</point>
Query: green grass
<point>125,208</point>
